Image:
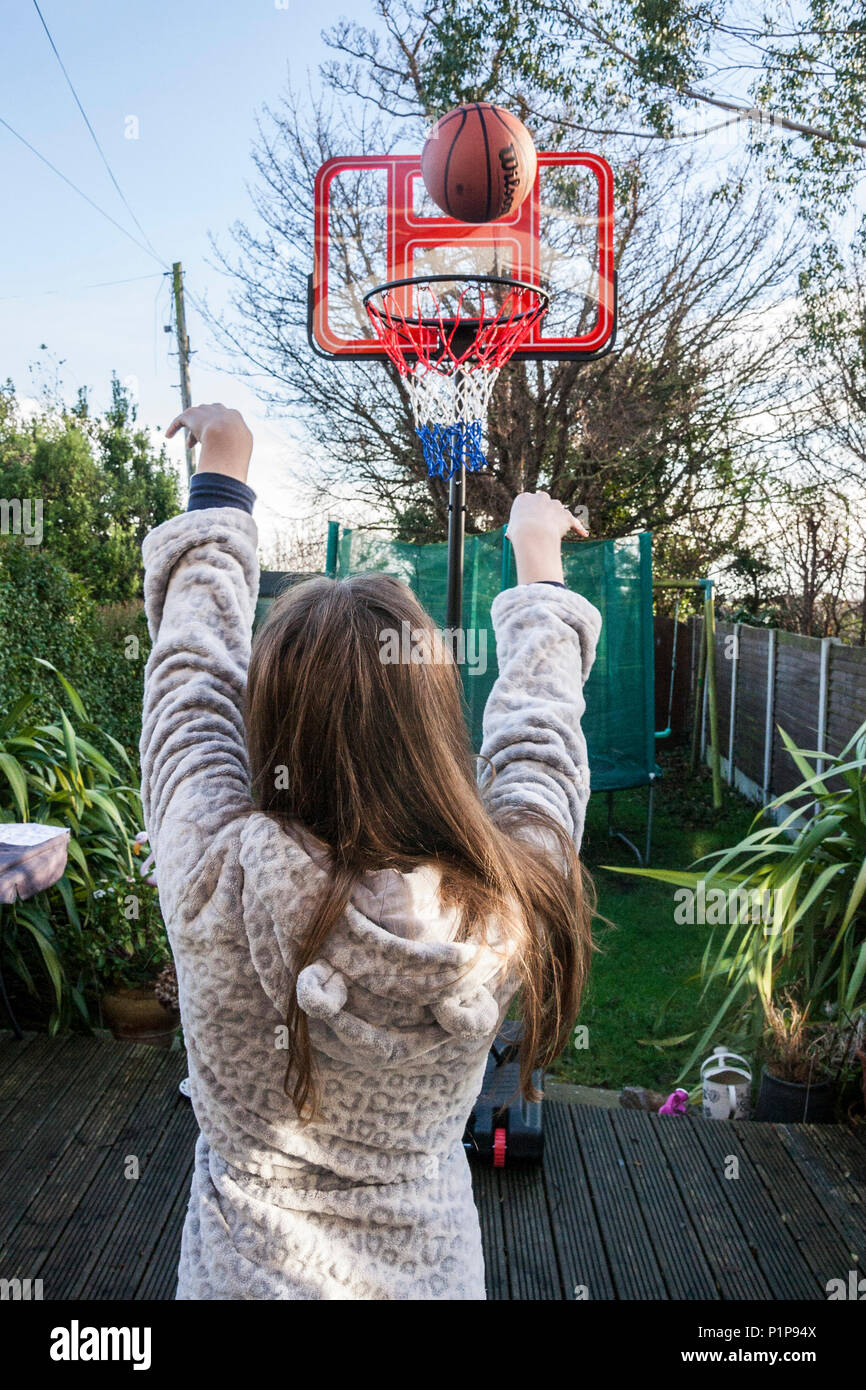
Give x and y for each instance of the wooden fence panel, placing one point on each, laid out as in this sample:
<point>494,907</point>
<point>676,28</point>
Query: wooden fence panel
<point>798,666</point>
<point>751,703</point>
<point>796,699</point>
<point>681,708</point>
<point>846,699</point>
<point>724,673</point>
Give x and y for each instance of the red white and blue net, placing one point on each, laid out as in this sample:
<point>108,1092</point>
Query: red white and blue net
<point>449,348</point>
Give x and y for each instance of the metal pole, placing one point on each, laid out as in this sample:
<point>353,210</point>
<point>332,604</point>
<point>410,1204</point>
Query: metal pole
<point>649,825</point>
<point>331,552</point>
<point>697,726</point>
<point>183,355</point>
<point>456,533</point>
<point>823,692</point>
<point>704,704</point>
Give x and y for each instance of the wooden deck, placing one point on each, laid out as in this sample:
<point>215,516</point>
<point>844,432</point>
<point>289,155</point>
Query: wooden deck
<point>626,1206</point>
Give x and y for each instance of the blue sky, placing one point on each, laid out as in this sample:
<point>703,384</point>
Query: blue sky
<point>194,74</point>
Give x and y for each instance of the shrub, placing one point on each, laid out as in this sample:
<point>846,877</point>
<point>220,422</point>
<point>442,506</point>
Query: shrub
<point>812,868</point>
<point>101,483</point>
<point>45,612</point>
<point>81,930</point>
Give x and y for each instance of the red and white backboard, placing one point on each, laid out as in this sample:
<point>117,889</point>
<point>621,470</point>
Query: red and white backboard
<point>376,224</point>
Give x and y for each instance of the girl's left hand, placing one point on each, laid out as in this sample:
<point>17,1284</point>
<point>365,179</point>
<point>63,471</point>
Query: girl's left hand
<point>226,442</point>
<point>148,868</point>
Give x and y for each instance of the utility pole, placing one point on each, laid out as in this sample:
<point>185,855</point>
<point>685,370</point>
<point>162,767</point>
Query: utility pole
<point>183,356</point>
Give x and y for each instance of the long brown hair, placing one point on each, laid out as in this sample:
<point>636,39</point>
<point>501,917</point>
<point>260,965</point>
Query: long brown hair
<point>375,762</point>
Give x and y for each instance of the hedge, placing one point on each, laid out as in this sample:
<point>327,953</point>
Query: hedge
<point>46,612</point>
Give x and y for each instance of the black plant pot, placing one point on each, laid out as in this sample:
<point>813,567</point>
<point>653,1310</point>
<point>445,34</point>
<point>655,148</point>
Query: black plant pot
<point>794,1102</point>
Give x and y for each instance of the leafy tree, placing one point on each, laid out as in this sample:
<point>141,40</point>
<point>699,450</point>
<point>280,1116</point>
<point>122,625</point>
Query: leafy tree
<point>101,483</point>
<point>793,71</point>
<point>833,317</point>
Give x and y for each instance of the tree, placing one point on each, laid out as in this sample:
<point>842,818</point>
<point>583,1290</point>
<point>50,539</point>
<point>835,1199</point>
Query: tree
<point>793,71</point>
<point>660,434</point>
<point>101,483</point>
<point>815,563</point>
<point>833,320</point>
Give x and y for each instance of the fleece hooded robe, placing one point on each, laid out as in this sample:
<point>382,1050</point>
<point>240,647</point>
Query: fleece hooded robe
<point>373,1199</point>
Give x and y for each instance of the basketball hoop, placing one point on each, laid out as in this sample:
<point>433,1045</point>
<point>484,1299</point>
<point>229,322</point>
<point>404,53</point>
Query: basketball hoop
<point>450,344</point>
<point>450,354</point>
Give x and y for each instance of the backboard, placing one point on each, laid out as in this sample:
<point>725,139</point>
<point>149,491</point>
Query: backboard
<point>375,223</point>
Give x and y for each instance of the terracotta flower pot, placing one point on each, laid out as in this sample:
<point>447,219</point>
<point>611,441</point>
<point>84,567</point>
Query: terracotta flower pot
<point>138,1016</point>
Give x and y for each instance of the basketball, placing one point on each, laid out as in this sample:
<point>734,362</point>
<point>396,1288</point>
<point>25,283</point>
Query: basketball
<point>479,162</point>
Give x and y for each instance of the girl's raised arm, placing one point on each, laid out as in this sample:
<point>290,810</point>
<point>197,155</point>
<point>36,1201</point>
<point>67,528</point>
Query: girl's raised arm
<point>533,755</point>
<point>201,585</point>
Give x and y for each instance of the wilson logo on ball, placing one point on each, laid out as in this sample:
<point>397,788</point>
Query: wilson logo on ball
<point>511,169</point>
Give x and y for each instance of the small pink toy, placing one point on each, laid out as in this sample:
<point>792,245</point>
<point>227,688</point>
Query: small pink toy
<point>676,1103</point>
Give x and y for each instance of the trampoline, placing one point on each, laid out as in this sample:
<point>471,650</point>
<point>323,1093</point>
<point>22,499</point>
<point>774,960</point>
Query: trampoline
<point>615,575</point>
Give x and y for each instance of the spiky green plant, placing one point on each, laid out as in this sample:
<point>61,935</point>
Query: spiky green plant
<point>53,773</point>
<point>811,867</point>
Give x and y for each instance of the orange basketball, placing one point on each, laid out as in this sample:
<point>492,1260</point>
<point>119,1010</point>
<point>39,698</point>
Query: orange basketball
<point>479,162</point>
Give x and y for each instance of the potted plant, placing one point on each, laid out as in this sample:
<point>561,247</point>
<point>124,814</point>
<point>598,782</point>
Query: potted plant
<point>840,1047</point>
<point>811,1070</point>
<point>139,1001</point>
<point>861,1058</point>
<point>140,1013</point>
<point>796,1086</point>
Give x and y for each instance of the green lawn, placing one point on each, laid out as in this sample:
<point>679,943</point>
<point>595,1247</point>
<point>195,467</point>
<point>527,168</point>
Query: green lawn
<point>643,982</point>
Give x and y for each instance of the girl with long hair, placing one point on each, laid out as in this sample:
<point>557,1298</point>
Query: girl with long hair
<point>351,910</point>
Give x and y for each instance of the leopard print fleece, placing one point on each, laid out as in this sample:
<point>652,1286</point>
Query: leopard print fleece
<point>373,1200</point>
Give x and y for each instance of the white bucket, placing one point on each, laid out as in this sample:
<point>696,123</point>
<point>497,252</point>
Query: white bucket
<point>727,1088</point>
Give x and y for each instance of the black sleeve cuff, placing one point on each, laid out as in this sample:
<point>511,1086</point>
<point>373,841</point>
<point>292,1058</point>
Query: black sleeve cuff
<point>219,490</point>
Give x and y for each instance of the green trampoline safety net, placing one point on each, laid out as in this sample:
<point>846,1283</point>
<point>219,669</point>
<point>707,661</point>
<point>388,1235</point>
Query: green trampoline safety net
<point>615,575</point>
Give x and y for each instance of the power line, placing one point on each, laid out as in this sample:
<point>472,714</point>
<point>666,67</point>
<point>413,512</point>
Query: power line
<point>93,134</point>
<point>98,285</point>
<point>148,250</point>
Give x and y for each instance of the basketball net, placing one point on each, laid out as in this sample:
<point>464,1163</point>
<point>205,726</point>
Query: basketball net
<point>450,360</point>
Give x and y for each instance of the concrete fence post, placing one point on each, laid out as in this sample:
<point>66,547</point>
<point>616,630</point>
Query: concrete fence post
<point>769,721</point>
<point>732,713</point>
<point>823,691</point>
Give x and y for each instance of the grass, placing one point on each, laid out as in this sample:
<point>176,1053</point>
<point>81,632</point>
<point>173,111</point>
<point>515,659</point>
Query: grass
<point>643,984</point>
